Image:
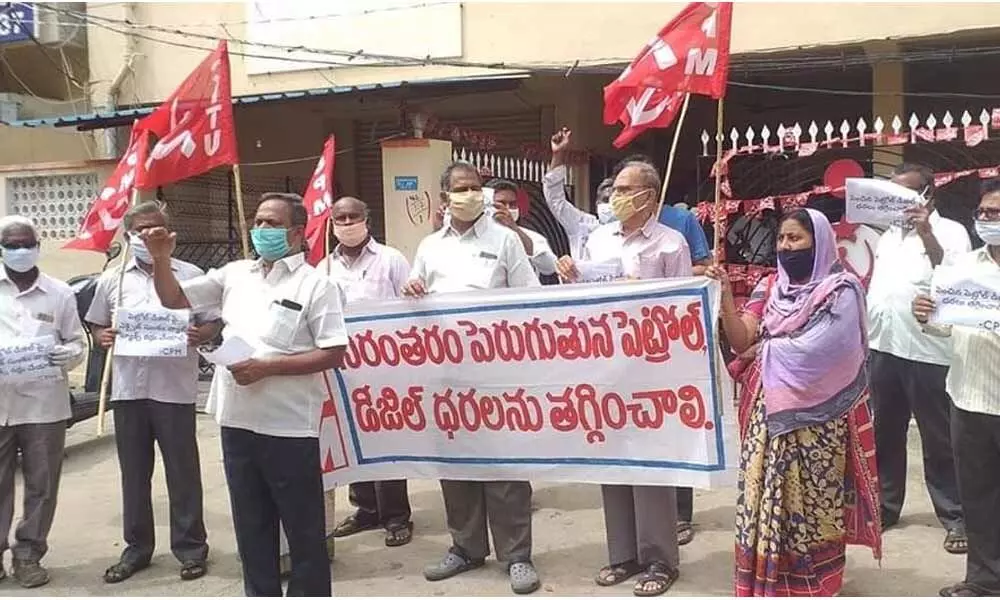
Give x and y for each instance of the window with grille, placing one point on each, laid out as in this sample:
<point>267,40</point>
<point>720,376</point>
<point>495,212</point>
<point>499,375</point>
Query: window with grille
<point>56,203</point>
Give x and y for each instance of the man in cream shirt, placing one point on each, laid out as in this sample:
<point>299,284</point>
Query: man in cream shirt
<point>270,403</point>
<point>33,413</point>
<point>473,252</point>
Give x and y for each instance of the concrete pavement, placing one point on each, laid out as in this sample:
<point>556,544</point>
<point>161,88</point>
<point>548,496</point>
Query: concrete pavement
<point>568,532</point>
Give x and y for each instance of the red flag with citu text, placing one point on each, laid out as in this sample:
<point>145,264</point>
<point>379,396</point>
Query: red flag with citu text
<point>690,55</point>
<point>106,213</point>
<point>318,200</point>
<point>194,127</point>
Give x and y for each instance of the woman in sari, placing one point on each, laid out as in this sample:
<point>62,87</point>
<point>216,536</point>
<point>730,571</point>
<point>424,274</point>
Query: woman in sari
<point>808,483</point>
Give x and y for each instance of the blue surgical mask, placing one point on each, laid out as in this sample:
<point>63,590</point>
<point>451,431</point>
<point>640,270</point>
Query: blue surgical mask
<point>604,213</point>
<point>21,260</point>
<point>271,243</point>
<point>989,232</point>
<point>139,250</point>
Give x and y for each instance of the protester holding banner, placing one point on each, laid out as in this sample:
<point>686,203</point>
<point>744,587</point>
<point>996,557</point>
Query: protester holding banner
<point>154,403</point>
<point>290,317</point>
<point>641,521</point>
<point>807,484</point>
<point>508,214</point>
<point>908,368</point>
<point>41,339</point>
<point>368,270</point>
<point>474,252</point>
<point>974,386</point>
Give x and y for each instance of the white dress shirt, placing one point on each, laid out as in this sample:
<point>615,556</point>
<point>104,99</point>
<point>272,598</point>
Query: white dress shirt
<point>172,380</point>
<point>542,258</point>
<point>578,224</point>
<point>651,252</point>
<point>902,270</point>
<point>47,308</point>
<point>250,301</point>
<point>487,256</point>
<point>974,376</point>
<point>378,273</point>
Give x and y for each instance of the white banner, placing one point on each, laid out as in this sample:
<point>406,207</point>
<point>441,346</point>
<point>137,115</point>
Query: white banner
<point>878,202</point>
<point>610,383</point>
<point>966,299</point>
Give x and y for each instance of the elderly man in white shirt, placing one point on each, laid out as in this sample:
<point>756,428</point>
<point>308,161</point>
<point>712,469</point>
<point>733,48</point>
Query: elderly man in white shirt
<point>508,214</point>
<point>154,404</point>
<point>367,270</point>
<point>33,411</point>
<point>270,403</point>
<point>641,521</point>
<point>974,386</point>
<point>907,368</point>
<point>473,252</point>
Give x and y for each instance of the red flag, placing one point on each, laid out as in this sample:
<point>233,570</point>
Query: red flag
<point>318,199</point>
<point>194,126</point>
<point>109,208</point>
<point>690,55</point>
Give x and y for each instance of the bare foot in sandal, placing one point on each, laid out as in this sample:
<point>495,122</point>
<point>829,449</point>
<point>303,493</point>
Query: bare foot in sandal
<point>655,581</point>
<point>956,542</point>
<point>615,574</point>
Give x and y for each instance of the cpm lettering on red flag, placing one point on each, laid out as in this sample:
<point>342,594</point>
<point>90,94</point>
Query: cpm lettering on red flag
<point>194,126</point>
<point>318,200</point>
<point>109,208</point>
<point>690,55</point>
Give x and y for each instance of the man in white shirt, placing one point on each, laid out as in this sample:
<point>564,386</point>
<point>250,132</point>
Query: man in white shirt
<point>974,386</point>
<point>33,411</point>
<point>641,521</point>
<point>508,214</point>
<point>269,404</point>
<point>907,367</point>
<point>154,403</point>
<point>473,252</point>
<point>367,270</point>
<point>577,224</point>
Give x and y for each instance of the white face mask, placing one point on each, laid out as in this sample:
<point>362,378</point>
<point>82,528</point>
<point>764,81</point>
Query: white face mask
<point>515,213</point>
<point>139,250</point>
<point>21,260</point>
<point>989,232</point>
<point>604,213</point>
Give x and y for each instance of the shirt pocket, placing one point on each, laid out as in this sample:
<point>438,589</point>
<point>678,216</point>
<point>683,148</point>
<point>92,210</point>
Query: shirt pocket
<point>482,269</point>
<point>285,319</point>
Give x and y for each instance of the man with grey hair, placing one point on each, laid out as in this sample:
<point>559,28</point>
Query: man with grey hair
<point>33,409</point>
<point>154,404</point>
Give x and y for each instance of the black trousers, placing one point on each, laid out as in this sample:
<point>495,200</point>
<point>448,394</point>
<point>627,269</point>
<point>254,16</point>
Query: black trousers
<point>977,455</point>
<point>138,425</point>
<point>685,505</point>
<point>275,482</point>
<point>901,388</point>
<point>383,503</point>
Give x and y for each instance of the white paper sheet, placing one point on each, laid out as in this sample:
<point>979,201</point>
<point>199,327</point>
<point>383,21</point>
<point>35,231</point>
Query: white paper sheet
<point>595,272</point>
<point>152,332</point>
<point>27,360</point>
<point>966,299</point>
<point>879,202</point>
<point>232,350</point>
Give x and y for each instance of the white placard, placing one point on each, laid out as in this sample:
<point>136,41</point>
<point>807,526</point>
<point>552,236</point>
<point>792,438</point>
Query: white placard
<point>598,272</point>
<point>878,202</point>
<point>965,300</point>
<point>27,359</point>
<point>152,332</point>
<point>587,383</point>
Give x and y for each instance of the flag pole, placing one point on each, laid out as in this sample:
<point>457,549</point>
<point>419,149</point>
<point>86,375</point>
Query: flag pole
<point>244,235</point>
<point>102,401</point>
<point>673,152</point>
<point>717,237</point>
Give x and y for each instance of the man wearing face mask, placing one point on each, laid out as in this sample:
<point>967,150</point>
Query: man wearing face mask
<point>907,367</point>
<point>974,386</point>
<point>474,252</point>
<point>33,414</point>
<point>368,270</point>
<point>508,214</point>
<point>154,403</point>
<point>269,404</point>
<point>641,521</point>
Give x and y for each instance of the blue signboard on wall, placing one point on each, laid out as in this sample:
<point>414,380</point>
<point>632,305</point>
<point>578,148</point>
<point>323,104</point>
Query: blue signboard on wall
<point>405,183</point>
<point>17,22</point>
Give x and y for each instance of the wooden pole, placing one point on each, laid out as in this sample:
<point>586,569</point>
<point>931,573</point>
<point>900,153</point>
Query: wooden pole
<point>673,152</point>
<point>716,228</point>
<point>102,401</point>
<point>241,212</point>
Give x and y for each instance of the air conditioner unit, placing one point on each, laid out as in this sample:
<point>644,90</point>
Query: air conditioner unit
<point>22,21</point>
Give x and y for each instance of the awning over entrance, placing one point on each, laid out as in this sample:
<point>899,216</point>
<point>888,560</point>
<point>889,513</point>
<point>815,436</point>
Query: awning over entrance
<point>124,116</point>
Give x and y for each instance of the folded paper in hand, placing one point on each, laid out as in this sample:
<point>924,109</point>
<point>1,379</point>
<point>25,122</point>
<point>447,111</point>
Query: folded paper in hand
<point>233,350</point>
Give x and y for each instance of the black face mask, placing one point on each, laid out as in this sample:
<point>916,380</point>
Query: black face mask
<point>797,263</point>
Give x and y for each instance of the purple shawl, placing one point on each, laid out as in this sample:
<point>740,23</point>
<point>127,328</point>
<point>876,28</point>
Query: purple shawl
<point>814,341</point>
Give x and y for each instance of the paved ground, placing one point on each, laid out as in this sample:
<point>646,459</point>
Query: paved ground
<point>568,525</point>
